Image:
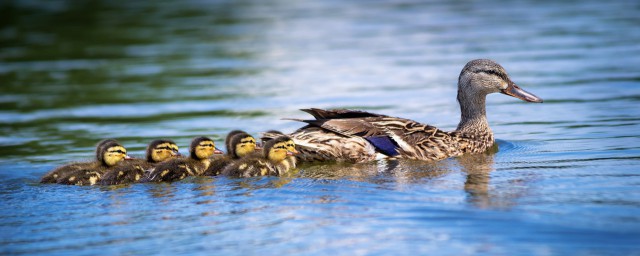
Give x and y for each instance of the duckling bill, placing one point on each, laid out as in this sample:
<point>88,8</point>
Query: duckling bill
<point>201,149</point>
<point>239,144</point>
<point>133,170</point>
<point>109,153</point>
<point>271,162</point>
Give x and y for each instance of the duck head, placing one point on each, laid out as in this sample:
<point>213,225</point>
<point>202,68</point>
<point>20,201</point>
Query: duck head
<point>481,77</point>
<point>110,152</point>
<point>276,150</point>
<point>160,150</point>
<point>202,148</point>
<point>241,145</point>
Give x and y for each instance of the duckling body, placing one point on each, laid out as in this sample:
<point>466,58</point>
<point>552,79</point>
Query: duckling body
<point>134,169</point>
<point>358,136</point>
<point>52,176</point>
<point>109,154</point>
<point>239,144</point>
<point>272,162</point>
<point>201,149</point>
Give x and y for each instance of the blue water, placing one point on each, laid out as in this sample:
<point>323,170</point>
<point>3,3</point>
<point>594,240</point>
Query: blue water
<point>563,181</point>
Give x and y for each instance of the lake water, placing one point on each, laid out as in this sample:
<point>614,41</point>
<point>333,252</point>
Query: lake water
<point>565,178</point>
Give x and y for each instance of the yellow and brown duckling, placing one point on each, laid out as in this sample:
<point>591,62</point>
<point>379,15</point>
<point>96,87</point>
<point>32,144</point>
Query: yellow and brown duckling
<point>200,151</point>
<point>109,153</point>
<point>291,145</point>
<point>273,161</point>
<point>134,169</point>
<point>239,144</point>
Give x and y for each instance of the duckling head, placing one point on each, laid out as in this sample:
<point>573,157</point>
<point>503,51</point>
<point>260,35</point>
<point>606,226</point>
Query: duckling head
<point>111,153</point>
<point>276,150</point>
<point>227,140</point>
<point>241,145</point>
<point>291,146</point>
<point>160,150</point>
<point>481,77</point>
<point>202,148</point>
<point>100,147</point>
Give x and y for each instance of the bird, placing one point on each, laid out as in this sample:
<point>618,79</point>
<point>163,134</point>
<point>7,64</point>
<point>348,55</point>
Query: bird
<point>239,144</point>
<point>291,145</point>
<point>345,135</point>
<point>109,153</point>
<point>200,150</point>
<point>133,170</point>
<point>271,162</point>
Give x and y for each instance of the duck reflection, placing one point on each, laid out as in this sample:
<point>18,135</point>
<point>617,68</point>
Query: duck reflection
<point>475,168</point>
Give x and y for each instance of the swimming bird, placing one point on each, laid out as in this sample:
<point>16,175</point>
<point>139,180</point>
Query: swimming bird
<point>291,145</point>
<point>271,162</point>
<point>239,144</point>
<point>200,150</point>
<point>359,136</point>
<point>133,170</point>
<point>109,153</point>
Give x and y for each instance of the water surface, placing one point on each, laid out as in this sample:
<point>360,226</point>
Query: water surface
<point>563,179</point>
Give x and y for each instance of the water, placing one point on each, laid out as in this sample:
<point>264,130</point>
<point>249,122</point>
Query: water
<point>563,181</point>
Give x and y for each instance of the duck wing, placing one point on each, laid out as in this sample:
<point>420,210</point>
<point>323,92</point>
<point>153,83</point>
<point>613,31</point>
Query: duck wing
<point>391,136</point>
<point>338,113</point>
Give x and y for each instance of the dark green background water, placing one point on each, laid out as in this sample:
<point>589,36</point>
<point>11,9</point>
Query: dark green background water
<point>564,181</point>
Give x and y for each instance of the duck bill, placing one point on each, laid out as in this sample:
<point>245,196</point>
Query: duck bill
<point>127,157</point>
<point>515,91</point>
<point>289,153</point>
<point>217,152</point>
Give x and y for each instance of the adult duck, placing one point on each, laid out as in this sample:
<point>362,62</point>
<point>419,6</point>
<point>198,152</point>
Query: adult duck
<point>358,136</point>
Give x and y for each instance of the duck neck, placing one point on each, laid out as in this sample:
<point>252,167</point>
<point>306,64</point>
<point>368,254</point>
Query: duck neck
<point>473,119</point>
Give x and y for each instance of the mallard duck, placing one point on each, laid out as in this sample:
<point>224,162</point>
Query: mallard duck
<point>291,145</point>
<point>200,150</point>
<point>358,136</point>
<point>109,153</point>
<point>239,144</point>
<point>271,162</point>
<point>132,170</point>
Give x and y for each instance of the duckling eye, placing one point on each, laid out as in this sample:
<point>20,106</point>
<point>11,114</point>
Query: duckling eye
<point>281,147</point>
<point>207,145</point>
<point>117,151</point>
<point>164,148</point>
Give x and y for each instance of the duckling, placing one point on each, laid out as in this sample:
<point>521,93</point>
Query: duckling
<point>201,149</point>
<point>358,136</point>
<point>239,144</point>
<point>291,145</point>
<point>271,162</point>
<point>109,155</point>
<point>52,176</point>
<point>132,170</point>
